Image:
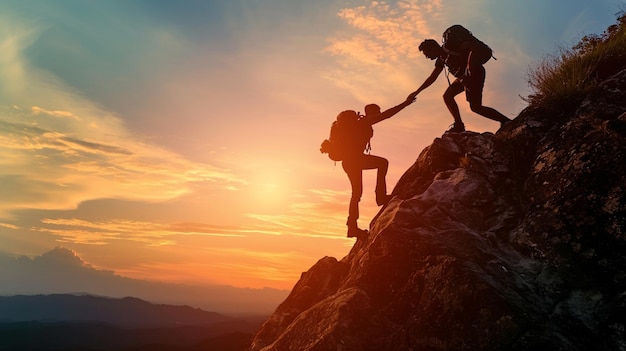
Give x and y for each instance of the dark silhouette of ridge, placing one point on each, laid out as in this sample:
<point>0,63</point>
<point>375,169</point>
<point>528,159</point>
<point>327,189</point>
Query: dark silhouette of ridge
<point>70,322</point>
<point>127,312</point>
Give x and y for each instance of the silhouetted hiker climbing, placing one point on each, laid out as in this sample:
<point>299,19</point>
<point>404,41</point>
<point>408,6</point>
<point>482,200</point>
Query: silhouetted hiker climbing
<point>464,55</point>
<point>349,141</point>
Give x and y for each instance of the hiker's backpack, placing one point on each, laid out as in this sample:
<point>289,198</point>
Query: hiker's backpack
<point>454,36</point>
<point>349,135</point>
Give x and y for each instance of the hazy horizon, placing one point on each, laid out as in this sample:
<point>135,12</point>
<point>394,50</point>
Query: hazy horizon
<point>61,271</point>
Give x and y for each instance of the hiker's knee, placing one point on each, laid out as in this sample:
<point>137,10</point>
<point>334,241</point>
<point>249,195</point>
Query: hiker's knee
<point>453,90</point>
<point>384,164</point>
<point>476,106</point>
<point>448,96</point>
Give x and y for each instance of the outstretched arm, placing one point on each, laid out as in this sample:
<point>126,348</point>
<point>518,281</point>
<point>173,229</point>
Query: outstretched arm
<point>392,111</point>
<point>431,79</point>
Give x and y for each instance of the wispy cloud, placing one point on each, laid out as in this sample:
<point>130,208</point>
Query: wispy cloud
<point>66,168</point>
<point>63,114</point>
<point>79,231</point>
<point>9,226</point>
<point>385,33</point>
<point>59,149</point>
<point>381,39</point>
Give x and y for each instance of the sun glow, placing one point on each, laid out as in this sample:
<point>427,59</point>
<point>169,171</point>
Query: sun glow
<point>270,187</point>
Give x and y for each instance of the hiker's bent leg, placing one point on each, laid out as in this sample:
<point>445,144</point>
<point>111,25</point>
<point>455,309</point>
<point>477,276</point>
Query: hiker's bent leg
<point>381,165</point>
<point>489,113</point>
<point>448,97</point>
<point>474,93</point>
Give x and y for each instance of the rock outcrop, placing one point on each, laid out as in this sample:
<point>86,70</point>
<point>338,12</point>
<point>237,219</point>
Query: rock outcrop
<point>512,241</point>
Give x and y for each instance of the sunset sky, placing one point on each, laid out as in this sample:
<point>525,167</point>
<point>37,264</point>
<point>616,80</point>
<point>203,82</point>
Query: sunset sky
<point>178,141</point>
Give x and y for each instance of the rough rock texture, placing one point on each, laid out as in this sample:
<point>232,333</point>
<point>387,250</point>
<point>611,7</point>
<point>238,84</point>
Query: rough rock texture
<point>512,241</point>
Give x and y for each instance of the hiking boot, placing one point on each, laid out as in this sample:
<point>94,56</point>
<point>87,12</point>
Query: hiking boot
<point>456,127</point>
<point>356,232</point>
<point>382,200</point>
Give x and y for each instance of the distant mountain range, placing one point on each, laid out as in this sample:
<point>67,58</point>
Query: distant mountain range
<point>86,322</point>
<point>128,311</point>
<point>62,271</point>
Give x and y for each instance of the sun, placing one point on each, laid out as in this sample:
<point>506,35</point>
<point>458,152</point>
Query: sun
<point>270,187</point>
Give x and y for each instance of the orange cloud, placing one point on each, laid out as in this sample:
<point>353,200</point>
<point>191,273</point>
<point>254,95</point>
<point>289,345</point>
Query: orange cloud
<point>380,44</point>
<point>80,231</point>
<point>65,114</point>
<point>48,165</point>
<point>385,32</point>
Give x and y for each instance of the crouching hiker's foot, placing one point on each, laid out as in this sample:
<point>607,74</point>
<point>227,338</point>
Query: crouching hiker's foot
<point>356,232</point>
<point>382,200</point>
<point>457,127</point>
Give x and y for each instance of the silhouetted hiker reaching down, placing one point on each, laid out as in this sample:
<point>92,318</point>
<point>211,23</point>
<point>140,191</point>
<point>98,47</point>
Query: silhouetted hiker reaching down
<point>464,55</point>
<point>349,143</point>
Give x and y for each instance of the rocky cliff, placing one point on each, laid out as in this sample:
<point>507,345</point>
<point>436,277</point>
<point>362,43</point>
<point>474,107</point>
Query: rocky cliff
<point>512,241</point>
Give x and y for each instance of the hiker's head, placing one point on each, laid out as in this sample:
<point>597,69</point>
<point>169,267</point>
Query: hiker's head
<point>347,116</point>
<point>372,109</point>
<point>430,48</point>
